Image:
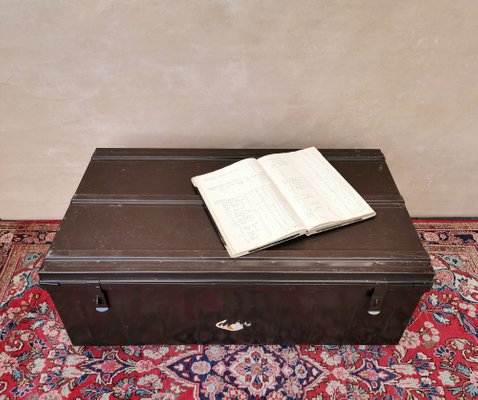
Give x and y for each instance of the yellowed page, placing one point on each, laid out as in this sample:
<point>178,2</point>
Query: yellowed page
<point>247,207</point>
<point>317,192</point>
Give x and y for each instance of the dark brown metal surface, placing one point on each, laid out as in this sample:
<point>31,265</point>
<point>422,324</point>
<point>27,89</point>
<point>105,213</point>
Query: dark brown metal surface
<point>137,230</point>
<point>280,313</point>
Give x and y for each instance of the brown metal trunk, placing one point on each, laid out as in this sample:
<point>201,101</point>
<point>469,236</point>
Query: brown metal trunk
<point>137,260</point>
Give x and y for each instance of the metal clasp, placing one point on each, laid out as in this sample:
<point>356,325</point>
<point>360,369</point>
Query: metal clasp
<point>377,299</point>
<point>233,327</point>
<point>100,299</point>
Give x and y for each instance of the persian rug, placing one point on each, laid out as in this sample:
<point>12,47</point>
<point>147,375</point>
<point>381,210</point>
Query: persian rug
<point>436,358</point>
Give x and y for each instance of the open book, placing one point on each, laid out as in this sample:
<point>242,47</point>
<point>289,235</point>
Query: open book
<point>257,203</point>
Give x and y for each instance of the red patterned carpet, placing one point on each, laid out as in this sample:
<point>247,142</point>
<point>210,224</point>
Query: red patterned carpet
<point>436,358</point>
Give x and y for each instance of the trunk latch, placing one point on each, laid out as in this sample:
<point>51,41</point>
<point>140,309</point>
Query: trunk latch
<point>377,299</point>
<point>99,299</point>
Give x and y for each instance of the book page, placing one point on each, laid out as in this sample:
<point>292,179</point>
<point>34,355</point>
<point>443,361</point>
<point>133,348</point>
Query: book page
<point>247,207</point>
<point>318,193</point>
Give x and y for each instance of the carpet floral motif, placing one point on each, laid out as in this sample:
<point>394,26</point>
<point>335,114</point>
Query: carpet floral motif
<point>437,357</point>
<point>248,370</point>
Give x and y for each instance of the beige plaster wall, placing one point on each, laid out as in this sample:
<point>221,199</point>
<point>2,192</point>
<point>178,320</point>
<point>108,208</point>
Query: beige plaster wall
<point>395,75</point>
